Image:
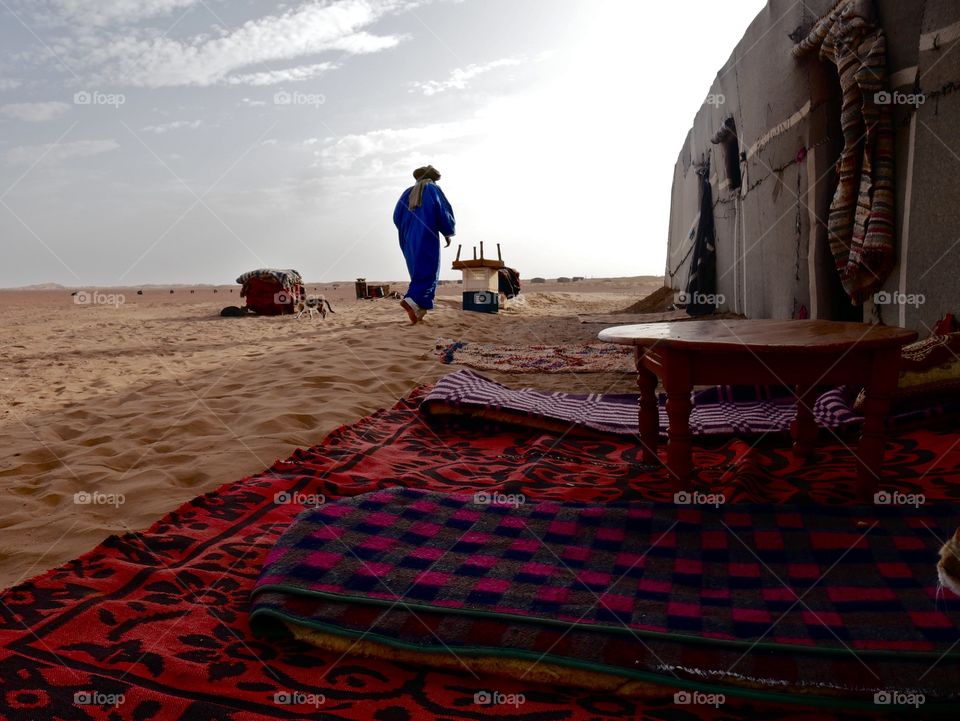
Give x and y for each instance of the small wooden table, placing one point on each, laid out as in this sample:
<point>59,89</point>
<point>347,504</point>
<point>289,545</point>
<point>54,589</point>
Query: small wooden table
<point>801,354</point>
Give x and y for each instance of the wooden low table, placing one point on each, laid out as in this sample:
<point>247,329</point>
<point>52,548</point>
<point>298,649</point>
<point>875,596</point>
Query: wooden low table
<point>802,354</point>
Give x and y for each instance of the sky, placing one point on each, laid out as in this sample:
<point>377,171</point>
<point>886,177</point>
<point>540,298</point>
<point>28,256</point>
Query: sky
<point>187,141</point>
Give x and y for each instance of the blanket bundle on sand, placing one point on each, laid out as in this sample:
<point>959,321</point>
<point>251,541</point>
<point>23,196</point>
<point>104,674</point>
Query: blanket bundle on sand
<point>586,358</point>
<point>680,597</point>
<point>721,410</point>
<point>162,617</point>
<point>286,278</point>
<point>860,226</point>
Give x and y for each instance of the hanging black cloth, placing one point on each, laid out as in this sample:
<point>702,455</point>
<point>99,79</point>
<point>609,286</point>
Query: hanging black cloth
<point>509,282</point>
<point>701,290</point>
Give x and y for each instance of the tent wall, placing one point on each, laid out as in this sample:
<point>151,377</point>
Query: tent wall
<point>772,255</point>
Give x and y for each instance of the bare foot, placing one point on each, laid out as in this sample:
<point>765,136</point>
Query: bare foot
<point>414,316</point>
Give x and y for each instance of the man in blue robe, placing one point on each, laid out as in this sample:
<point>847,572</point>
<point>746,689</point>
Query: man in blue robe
<point>422,215</point>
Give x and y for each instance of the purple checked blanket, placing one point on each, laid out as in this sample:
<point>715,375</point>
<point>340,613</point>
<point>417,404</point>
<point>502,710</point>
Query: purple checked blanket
<point>720,410</point>
<point>777,600</point>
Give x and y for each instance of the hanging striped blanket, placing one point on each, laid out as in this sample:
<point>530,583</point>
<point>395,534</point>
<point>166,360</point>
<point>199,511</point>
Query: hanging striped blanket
<point>860,224</point>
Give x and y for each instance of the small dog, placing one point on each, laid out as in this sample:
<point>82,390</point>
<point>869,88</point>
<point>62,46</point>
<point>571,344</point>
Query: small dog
<point>314,305</point>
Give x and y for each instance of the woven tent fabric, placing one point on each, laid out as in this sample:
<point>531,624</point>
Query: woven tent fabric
<point>620,575</point>
<point>861,221</point>
<point>162,616</point>
<point>583,358</point>
<point>720,410</point>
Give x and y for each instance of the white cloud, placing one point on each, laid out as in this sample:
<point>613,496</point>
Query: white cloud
<point>461,77</point>
<point>34,112</point>
<point>173,125</point>
<point>145,60</point>
<point>363,42</point>
<point>345,151</point>
<point>10,83</point>
<point>275,77</point>
<point>57,153</point>
<point>105,12</point>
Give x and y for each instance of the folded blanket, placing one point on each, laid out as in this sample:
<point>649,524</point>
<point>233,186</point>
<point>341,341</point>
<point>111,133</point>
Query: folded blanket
<point>829,604</point>
<point>722,410</point>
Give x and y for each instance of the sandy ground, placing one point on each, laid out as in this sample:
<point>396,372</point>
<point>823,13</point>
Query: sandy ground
<point>159,399</point>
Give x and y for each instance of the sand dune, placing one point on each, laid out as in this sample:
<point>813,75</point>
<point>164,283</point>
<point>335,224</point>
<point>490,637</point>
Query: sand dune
<point>156,400</point>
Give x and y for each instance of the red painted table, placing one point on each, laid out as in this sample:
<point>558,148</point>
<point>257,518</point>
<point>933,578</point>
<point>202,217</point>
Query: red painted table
<point>799,354</point>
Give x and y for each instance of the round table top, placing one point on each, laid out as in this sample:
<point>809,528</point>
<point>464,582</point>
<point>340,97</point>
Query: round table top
<point>811,336</point>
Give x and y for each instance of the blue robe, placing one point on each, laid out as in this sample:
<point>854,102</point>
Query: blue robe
<point>420,231</point>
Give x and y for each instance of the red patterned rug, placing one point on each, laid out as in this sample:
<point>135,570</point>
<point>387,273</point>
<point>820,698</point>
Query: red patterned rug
<point>155,625</point>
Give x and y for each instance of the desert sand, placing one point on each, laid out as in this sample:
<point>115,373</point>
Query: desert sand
<point>158,399</point>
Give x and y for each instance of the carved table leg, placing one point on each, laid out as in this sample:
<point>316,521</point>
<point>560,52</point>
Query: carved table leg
<point>804,428</point>
<point>649,412</point>
<point>679,386</point>
<point>881,383</point>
